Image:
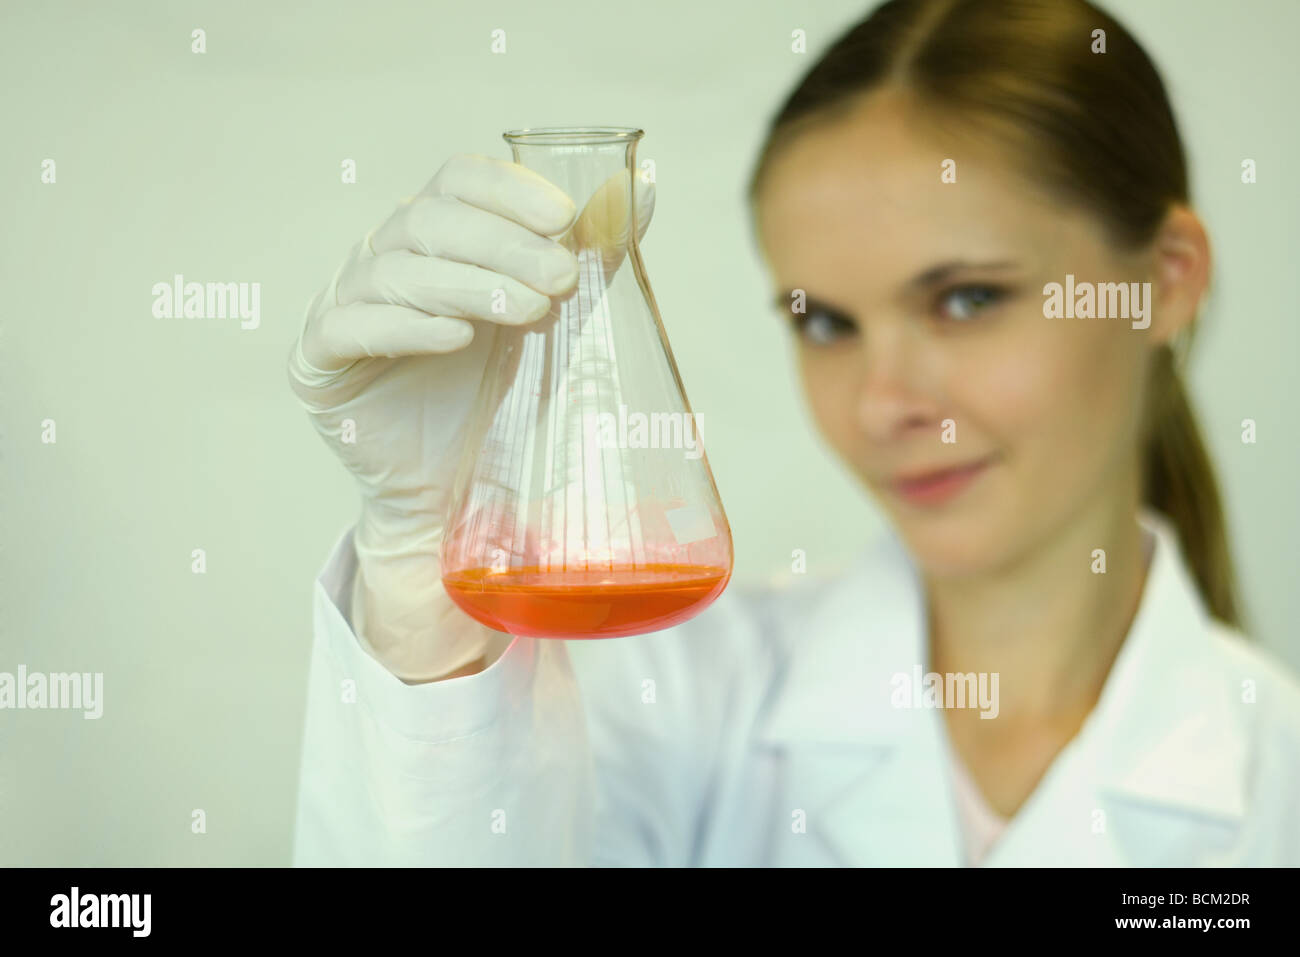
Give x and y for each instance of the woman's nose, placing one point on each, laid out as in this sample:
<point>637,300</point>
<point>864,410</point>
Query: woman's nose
<point>895,393</point>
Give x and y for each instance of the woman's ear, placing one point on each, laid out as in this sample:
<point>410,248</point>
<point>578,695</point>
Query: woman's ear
<point>1181,252</point>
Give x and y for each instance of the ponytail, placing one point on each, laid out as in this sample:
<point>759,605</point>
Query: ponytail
<point>1179,482</point>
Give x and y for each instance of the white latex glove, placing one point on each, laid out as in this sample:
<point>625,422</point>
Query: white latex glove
<point>389,358</point>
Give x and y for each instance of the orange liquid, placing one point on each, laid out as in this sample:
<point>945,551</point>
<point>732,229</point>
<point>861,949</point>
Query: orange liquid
<point>586,603</point>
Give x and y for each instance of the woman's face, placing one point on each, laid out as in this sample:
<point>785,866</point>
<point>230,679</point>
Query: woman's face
<point>925,322</point>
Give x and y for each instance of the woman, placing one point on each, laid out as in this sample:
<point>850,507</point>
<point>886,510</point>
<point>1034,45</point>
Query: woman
<point>1059,537</point>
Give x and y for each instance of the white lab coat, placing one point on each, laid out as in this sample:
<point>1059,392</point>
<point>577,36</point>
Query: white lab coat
<point>762,733</point>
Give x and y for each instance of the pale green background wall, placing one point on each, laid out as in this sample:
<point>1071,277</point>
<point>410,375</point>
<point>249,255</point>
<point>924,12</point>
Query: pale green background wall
<point>181,434</point>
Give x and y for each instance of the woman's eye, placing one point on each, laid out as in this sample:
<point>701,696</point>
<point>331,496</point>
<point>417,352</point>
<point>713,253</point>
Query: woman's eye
<point>964,302</point>
<point>821,328</point>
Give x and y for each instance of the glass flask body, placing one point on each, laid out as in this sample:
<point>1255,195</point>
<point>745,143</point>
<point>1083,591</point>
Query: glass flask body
<point>583,505</point>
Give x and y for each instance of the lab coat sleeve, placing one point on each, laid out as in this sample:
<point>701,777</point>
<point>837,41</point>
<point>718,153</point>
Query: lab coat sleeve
<point>487,769</point>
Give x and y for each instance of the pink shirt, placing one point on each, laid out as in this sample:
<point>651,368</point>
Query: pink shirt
<point>980,824</point>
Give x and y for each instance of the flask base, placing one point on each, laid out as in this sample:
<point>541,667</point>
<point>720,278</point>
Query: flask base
<point>586,603</point>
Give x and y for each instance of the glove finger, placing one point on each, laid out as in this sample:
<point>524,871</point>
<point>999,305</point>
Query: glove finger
<point>443,287</point>
<point>507,189</point>
<point>344,334</point>
<point>603,227</point>
<point>447,228</point>
<point>645,206</point>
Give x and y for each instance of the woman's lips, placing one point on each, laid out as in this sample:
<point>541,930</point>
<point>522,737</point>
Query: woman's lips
<point>938,485</point>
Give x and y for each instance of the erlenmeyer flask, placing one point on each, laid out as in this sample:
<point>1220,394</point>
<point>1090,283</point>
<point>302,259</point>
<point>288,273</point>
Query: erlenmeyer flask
<point>583,506</point>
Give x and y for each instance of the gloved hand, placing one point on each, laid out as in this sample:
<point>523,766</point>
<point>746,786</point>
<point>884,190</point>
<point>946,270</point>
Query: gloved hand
<point>388,364</point>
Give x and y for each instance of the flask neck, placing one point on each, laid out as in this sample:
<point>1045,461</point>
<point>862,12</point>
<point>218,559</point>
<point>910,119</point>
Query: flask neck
<point>582,163</point>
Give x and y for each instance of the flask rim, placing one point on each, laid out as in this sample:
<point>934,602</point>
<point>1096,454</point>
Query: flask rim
<point>572,135</point>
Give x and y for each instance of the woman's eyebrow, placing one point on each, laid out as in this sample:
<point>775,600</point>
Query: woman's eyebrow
<point>933,276</point>
<point>936,275</point>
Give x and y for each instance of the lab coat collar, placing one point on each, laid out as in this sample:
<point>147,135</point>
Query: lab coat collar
<point>1165,731</point>
<point>1167,725</point>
